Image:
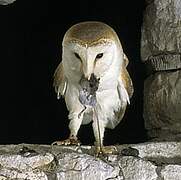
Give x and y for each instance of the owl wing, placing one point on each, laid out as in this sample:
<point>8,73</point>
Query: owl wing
<point>60,81</point>
<point>125,91</point>
<point>125,80</point>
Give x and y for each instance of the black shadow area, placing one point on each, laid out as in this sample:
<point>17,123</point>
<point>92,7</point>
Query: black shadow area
<point>31,35</point>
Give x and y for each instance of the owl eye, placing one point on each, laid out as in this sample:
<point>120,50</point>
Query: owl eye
<point>77,55</point>
<point>99,55</point>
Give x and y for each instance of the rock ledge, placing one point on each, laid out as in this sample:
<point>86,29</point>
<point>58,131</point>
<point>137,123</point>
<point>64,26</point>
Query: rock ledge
<point>151,160</point>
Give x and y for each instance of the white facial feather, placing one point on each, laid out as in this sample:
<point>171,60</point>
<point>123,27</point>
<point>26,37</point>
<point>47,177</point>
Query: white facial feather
<point>93,48</point>
<point>88,60</point>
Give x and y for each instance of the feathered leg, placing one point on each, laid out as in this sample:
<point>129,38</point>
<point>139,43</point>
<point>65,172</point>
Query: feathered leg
<point>99,129</point>
<point>74,125</point>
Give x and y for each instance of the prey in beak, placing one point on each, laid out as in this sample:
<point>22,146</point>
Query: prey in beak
<point>88,88</point>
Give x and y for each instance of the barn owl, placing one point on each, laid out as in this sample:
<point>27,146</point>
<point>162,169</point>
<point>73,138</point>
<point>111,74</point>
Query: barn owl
<point>93,79</point>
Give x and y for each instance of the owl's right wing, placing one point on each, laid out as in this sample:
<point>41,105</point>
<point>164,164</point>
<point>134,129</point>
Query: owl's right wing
<point>60,81</point>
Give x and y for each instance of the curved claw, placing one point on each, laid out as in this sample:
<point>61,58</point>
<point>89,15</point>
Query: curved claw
<point>67,142</point>
<point>105,150</point>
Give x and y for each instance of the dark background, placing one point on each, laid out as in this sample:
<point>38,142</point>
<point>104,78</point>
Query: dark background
<point>30,35</point>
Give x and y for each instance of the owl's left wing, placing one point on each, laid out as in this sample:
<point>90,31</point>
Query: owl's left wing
<point>125,91</point>
<point>60,81</point>
<point>125,84</point>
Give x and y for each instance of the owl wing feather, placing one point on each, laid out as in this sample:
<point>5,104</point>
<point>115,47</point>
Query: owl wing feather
<point>60,81</point>
<point>125,77</point>
<point>125,91</point>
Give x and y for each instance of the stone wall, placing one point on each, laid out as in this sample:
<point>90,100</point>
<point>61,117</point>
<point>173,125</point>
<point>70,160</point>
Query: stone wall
<point>6,2</point>
<point>148,161</point>
<point>161,53</point>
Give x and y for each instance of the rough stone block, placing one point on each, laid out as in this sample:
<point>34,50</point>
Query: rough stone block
<point>83,166</point>
<point>6,2</point>
<point>162,105</point>
<point>161,28</point>
<point>171,172</point>
<point>134,168</point>
<point>144,161</point>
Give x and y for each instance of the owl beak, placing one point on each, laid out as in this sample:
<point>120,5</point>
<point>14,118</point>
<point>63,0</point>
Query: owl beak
<point>87,71</point>
<point>87,77</point>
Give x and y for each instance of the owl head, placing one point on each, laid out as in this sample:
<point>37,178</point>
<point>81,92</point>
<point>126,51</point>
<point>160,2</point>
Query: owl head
<point>91,48</point>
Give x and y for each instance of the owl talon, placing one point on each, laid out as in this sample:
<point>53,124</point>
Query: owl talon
<point>105,150</point>
<point>68,142</point>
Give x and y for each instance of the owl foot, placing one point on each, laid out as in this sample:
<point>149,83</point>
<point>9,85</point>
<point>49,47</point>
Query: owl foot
<point>72,140</point>
<point>105,150</point>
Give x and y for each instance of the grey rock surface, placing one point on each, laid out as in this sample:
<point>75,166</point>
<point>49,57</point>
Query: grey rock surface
<point>161,32</point>
<point>160,152</point>
<point>153,161</point>
<point>134,168</point>
<point>6,2</point>
<point>162,105</point>
<point>171,172</point>
<point>161,53</point>
<point>83,166</point>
